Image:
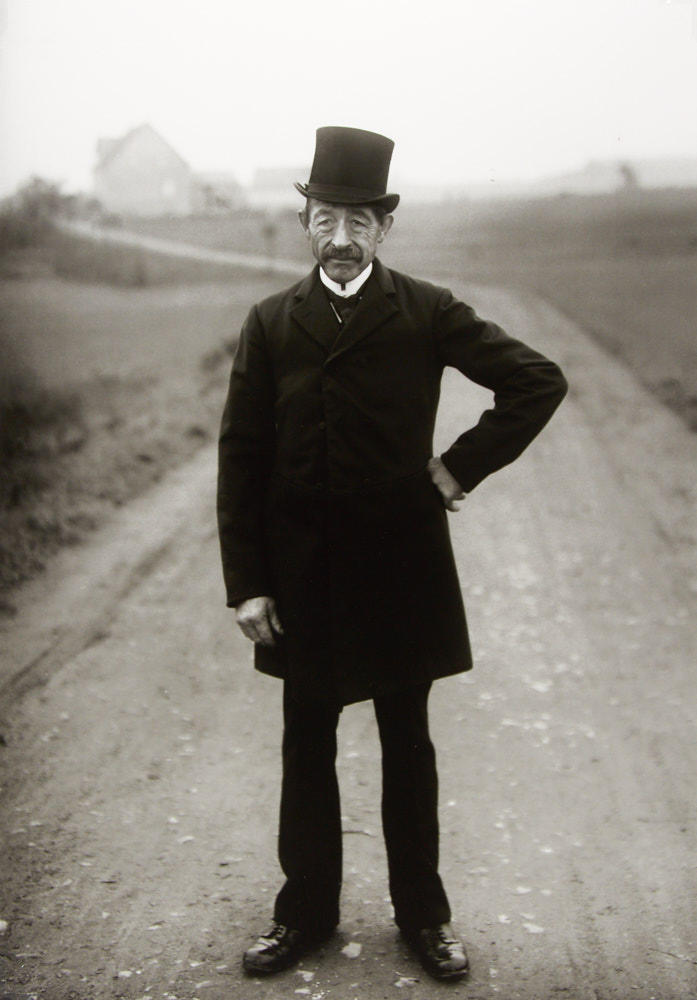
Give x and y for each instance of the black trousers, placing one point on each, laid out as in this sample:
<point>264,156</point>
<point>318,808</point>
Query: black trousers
<point>310,849</point>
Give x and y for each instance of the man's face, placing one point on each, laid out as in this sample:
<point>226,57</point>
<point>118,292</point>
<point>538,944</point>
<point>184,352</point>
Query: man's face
<point>344,238</point>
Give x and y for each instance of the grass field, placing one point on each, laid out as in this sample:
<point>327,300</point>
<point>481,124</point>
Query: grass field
<point>623,266</point>
<point>102,390</point>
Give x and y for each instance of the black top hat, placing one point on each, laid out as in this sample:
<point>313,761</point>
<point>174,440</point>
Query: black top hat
<point>350,168</point>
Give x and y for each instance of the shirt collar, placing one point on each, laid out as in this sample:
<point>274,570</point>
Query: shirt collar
<point>351,287</point>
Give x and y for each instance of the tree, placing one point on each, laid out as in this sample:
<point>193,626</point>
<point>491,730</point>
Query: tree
<point>630,181</point>
<point>27,215</point>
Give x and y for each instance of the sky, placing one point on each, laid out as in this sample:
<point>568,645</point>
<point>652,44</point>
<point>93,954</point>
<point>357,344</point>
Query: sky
<point>470,90</point>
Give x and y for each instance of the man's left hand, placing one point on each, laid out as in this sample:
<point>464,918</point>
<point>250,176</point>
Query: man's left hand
<point>446,484</point>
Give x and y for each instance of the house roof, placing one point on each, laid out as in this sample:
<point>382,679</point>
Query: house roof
<point>108,149</point>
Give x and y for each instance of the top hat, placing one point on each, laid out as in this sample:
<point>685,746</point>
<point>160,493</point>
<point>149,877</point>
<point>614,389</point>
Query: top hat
<point>350,168</point>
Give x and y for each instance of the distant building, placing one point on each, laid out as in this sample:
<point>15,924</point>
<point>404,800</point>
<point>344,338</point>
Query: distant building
<point>142,174</point>
<point>272,187</point>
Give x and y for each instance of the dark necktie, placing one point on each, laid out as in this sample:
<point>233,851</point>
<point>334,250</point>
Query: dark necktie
<point>344,305</point>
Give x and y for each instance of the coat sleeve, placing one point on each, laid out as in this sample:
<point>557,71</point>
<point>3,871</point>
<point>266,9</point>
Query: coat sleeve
<point>245,455</point>
<point>527,389</point>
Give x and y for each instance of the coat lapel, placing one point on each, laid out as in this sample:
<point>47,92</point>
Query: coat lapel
<point>376,306</point>
<point>313,311</point>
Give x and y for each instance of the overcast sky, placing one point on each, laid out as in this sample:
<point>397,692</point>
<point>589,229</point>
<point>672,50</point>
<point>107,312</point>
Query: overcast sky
<point>471,90</point>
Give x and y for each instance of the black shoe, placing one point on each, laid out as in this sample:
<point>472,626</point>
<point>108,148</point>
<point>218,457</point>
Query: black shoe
<point>441,953</point>
<point>278,949</point>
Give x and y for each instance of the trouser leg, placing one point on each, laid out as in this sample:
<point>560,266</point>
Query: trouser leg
<point>309,842</point>
<point>410,808</point>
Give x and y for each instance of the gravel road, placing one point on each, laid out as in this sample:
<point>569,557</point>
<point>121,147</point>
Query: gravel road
<point>141,751</point>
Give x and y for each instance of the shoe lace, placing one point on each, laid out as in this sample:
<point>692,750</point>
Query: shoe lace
<point>276,933</point>
<point>445,938</point>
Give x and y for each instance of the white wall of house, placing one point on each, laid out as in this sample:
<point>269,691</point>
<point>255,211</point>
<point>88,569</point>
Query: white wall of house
<point>143,175</point>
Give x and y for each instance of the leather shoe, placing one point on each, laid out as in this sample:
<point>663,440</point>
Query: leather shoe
<point>278,949</point>
<point>441,953</point>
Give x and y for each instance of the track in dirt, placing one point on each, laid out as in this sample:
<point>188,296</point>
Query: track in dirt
<point>142,773</point>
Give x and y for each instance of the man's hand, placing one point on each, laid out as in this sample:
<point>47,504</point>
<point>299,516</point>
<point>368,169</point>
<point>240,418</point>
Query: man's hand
<point>258,619</point>
<point>447,485</point>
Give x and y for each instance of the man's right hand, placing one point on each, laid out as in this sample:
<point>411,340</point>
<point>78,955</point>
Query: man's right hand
<point>446,484</point>
<point>258,619</point>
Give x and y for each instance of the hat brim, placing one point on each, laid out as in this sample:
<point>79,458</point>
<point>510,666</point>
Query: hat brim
<point>347,196</point>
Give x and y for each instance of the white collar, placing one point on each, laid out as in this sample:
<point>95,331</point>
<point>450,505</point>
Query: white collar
<point>351,287</point>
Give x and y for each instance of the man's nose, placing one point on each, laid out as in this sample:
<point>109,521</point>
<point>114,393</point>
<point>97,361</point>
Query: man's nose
<point>340,236</point>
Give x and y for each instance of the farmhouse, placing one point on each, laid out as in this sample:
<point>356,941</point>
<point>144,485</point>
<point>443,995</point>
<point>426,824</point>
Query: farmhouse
<point>142,174</point>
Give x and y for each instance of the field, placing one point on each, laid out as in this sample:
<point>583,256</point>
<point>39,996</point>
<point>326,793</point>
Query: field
<point>102,389</point>
<point>623,266</point>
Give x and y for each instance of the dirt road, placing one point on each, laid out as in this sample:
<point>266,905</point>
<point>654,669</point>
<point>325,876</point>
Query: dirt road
<point>141,765</point>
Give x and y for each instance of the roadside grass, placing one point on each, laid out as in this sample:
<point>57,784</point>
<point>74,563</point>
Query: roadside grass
<point>102,390</point>
<point>79,258</point>
<point>624,267</point>
<point>67,332</point>
<point>244,231</point>
<point>643,311</point>
<point>70,457</point>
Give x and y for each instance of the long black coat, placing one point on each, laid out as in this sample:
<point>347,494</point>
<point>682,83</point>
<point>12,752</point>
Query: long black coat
<point>324,499</point>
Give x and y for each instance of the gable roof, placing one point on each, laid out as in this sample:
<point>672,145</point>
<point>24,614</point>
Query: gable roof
<point>108,149</point>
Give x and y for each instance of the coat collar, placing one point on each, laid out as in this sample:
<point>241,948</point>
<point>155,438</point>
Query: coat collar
<point>313,312</point>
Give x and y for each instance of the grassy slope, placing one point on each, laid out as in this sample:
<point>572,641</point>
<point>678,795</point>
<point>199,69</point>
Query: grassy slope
<point>68,332</point>
<point>102,390</point>
<point>624,267</point>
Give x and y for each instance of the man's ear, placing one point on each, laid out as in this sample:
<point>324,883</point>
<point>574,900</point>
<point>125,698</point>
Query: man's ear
<point>302,218</point>
<point>385,227</point>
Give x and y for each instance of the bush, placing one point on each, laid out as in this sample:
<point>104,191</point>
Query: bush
<point>39,429</point>
<point>26,217</point>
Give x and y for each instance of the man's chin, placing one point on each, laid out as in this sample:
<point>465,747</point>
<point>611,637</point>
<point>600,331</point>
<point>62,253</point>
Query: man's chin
<point>342,270</point>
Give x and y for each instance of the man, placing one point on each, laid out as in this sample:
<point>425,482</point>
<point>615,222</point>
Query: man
<point>334,536</point>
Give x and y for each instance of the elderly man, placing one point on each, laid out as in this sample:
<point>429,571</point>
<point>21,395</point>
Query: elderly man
<point>333,529</point>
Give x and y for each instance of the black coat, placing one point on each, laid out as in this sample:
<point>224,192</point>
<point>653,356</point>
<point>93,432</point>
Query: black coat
<point>324,499</point>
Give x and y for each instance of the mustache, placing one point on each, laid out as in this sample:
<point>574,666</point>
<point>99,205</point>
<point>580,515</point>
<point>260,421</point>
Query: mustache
<point>342,253</point>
